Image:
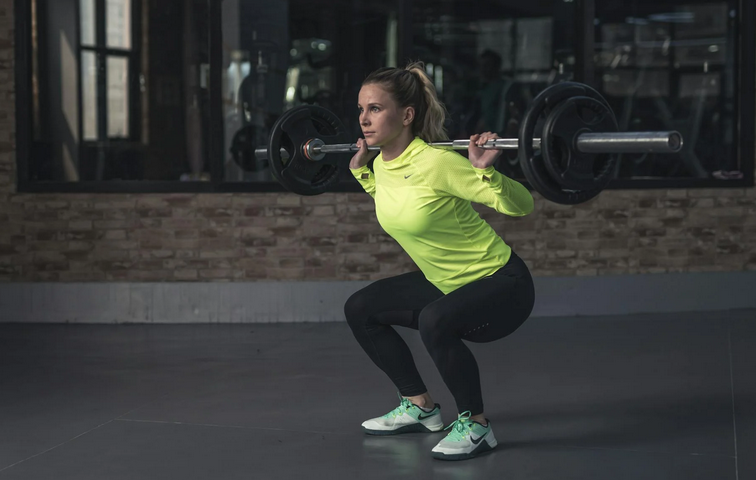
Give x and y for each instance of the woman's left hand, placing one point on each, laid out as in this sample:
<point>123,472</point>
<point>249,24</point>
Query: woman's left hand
<point>480,157</point>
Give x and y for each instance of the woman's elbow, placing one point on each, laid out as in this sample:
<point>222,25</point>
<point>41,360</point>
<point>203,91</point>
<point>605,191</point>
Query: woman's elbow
<point>529,205</point>
<point>525,206</point>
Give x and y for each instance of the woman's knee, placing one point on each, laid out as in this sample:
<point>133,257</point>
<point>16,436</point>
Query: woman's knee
<point>434,324</point>
<point>357,308</point>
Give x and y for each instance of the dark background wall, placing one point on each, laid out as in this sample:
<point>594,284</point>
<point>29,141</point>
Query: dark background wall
<point>279,236</point>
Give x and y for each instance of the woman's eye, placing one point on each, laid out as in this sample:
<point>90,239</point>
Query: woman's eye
<point>375,109</point>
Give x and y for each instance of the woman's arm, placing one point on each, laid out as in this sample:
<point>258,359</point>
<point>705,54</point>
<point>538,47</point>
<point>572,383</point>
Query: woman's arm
<point>366,178</point>
<point>452,174</point>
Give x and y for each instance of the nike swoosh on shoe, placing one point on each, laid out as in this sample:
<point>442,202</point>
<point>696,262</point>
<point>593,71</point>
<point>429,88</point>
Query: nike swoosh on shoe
<point>423,417</point>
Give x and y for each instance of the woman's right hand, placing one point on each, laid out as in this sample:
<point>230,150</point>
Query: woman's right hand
<point>363,155</point>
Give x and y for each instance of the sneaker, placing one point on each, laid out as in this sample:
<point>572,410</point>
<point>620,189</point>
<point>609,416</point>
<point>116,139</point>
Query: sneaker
<point>406,418</point>
<point>467,439</point>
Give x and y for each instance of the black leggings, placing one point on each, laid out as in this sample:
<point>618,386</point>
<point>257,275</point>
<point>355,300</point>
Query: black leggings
<point>482,311</point>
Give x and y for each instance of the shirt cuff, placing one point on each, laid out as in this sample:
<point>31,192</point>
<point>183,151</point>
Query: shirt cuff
<point>362,173</point>
<point>489,175</point>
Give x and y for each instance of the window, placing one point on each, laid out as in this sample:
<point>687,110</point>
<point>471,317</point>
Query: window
<point>674,66</point>
<point>278,55</point>
<point>488,64</point>
<point>176,95</point>
<point>106,57</point>
<point>118,92</point>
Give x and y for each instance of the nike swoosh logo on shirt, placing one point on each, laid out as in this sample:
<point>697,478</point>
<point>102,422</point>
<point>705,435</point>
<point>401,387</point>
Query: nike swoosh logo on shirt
<point>407,176</point>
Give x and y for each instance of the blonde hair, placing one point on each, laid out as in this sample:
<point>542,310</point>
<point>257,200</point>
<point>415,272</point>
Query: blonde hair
<point>412,87</point>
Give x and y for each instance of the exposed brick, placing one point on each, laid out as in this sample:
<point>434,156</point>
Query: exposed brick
<point>256,211</point>
<point>178,200</point>
<point>286,273</point>
<point>324,272</point>
<point>148,202</point>
<point>228,253</point>
<point>153,212</point>
<point>256,222</point>
<point>115,204</point>
<point>323,211</point>
<point>288,200</point>
<point>215,213</point>
<point>185,274</point>
<point>80,225</point>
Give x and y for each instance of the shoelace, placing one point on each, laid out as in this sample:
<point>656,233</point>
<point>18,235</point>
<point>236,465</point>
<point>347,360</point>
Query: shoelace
<point>403,407</point>
<point>461,427</point>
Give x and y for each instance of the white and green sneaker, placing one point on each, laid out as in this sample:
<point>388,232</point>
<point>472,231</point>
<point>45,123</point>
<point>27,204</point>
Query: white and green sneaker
<point>406,418</point>
<point>467,439</point>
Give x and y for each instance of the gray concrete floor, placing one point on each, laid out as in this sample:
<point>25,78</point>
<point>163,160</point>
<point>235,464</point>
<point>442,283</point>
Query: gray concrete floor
<point>622,397</point>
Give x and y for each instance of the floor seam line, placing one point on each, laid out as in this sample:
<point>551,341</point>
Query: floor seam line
<point>693,454</point>
<point>56,446</point>
<point>732,396</point>
<point>243,427</point>
<point>74,438</point>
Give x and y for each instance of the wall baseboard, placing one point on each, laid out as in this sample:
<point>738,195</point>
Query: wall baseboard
<point>269,302</point>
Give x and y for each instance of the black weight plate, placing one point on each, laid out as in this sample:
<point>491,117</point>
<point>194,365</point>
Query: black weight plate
<point>291,132</point>
<point>532,163</point>
<point>243,150</point>
<point>569,167</point>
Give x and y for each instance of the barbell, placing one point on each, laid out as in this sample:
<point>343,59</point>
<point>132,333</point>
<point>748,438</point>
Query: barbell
<point>571,162</point>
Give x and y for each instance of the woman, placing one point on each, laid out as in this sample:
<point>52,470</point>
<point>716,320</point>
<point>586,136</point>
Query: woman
<point>470,286</point>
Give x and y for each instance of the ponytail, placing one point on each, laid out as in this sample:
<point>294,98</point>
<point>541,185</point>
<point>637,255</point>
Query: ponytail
<point>431,124</point>
<point>411,87</point>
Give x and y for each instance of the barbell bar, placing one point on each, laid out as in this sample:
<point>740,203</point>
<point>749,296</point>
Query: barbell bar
<point>620,142</point>
<point>568,145</point>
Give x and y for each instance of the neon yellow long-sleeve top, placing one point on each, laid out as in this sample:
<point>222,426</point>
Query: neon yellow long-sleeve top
<point>423,200</point>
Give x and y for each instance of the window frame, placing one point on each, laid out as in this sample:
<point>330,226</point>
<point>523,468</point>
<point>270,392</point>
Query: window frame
<point>745,116</point>
<point>102,53</point>
<point>584,71</point>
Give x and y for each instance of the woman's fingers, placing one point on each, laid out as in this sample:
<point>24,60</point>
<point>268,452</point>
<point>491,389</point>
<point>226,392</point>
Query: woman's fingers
<point>482,138</point>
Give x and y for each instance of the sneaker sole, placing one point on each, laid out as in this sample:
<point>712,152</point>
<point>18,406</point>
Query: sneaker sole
<point>480,450</point>
<point>413,428</point>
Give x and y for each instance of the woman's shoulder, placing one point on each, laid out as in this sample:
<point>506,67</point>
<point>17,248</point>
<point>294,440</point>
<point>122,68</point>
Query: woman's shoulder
<point>444,154</point>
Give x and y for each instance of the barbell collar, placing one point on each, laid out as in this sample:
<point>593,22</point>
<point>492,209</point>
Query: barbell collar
<point>621,142</point>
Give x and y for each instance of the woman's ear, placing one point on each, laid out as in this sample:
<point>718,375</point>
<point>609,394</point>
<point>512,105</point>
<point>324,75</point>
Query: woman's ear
<point>409,115</point>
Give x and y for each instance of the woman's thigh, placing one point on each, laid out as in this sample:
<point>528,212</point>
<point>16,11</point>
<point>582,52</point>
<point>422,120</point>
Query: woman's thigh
<point>393,301</point>
<point>490,308</point>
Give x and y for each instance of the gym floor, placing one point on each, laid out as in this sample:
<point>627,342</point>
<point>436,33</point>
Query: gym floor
<point>662,396</point>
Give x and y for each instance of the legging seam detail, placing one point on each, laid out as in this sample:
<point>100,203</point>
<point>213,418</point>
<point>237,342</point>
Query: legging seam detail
<point>476,329</point>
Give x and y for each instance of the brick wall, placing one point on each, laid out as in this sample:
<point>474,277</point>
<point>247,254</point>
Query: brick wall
<point>248,237</point>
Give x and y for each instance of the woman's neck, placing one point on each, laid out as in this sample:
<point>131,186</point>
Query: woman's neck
<point>397,146</point>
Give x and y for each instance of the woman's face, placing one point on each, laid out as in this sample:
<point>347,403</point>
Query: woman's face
<point>381,119</point>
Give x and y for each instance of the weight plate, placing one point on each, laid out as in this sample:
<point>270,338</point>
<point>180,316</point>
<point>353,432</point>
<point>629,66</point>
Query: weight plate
<point>243,150</point>
<point>532,163</point>
<point>291,132</point>
<point>569,167</point>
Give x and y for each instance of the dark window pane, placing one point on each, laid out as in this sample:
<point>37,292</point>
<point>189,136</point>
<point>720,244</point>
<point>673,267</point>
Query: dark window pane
<point>278,55</point>
<point>138,114</point>
<point>667,66</point>
<point>489,62</point>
